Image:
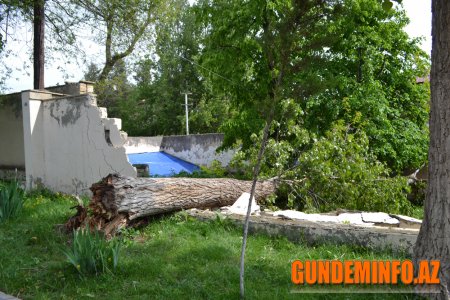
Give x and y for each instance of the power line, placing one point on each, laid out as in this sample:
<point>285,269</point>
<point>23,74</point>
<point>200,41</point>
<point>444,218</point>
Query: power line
<point>217,74</point>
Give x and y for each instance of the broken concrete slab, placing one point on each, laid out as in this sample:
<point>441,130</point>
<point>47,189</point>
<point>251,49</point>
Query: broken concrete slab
<point>379,218</point>
<point>408,222</point>
<point>354,218</point>
<point>293,214</point>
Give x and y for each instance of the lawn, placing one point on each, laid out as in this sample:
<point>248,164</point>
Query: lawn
<point>174,257</point>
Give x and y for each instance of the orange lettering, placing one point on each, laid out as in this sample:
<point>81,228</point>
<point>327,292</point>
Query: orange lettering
<point>424,272</point>
<point>362,272</point>
<point>407,272</point>
<point>348,272</point>
<point>395,266</point>
<point>374,271</point>
<point>336,272</point>
<point>311,272</point>
<point>324,272</point>
<point>384,275</point>
<point>297,272</point>
<point>436,264</point>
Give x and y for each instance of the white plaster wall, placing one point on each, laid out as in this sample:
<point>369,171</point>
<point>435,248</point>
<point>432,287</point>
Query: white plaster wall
<point>12,153</point>
<point>199,149</point>
<point>33,134</point>
<point>67,150</point>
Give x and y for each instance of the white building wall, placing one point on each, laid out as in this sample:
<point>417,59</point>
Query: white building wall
<point>67,148</point>
<point>12,155</point>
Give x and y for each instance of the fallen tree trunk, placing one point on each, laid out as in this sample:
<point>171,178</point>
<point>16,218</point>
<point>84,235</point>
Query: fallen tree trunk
<point>118,200</point>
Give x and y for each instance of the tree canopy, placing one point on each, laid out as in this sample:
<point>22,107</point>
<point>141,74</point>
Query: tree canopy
<point>353,63</point>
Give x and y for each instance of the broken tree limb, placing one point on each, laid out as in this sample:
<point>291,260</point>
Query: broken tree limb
<point>118,199</point>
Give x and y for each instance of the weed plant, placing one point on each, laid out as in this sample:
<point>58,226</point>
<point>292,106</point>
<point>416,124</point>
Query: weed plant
<point>11,200</point>
<point>91,253</point>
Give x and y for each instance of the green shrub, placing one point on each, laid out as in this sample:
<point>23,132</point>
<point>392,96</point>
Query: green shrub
<point>340,172</point>
<point>327,173</point>
<point>215,170</point>
<point>91,253</point>
<point>11,200</point>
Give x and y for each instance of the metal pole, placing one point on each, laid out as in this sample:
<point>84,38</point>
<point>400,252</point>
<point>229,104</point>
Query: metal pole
<point>186,105</point>
<point>187,112</point>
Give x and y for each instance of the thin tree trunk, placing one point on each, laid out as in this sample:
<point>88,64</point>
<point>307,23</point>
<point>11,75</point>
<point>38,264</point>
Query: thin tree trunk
<point>433,242</point>
<point>38,44</point>
<point>249,207</point>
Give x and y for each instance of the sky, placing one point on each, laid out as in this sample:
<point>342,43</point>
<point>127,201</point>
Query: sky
<point>418,11</point>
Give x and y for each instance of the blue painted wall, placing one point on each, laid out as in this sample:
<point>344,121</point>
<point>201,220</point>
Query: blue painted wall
<point>162,164</point>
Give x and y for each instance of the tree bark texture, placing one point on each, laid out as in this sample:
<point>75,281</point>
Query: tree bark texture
<point>38,44</point>
<point>119,199</point>
<point>433,242</point>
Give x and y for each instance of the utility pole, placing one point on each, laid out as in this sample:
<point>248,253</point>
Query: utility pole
<point>186,105</point>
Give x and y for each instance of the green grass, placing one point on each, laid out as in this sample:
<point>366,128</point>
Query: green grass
<point>174,257</point>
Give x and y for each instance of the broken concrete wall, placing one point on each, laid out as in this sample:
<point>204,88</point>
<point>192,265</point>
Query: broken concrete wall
<point>69,142</point>
<point>199,149</point>
<point>12,155</point>
<point>73,88</point>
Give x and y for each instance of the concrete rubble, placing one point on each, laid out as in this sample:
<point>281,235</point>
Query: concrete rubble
<point>356,218</point>
<point>368,229</point>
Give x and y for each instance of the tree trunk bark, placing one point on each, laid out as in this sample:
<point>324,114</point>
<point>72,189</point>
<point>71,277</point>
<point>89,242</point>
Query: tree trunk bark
<point>38,44</point>
<point>433,242</point>
<point>120,200</point>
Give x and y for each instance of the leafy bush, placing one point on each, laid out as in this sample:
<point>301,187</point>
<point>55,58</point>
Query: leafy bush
<point>340,172</point>
<point>334,171</point>
<point>90,253</point>
<point>11,200</point>
<point>215,170</point>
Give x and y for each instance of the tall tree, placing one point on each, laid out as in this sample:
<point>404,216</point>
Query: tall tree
<point>433,242</point>
<point>38,43</point>
<point>120,26</point>
<point>366,76</point>
<point>368,80</point>
<point>123,25</point>
<point>156,106</point>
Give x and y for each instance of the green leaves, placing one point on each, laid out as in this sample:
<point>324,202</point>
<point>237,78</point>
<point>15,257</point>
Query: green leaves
<point>369,82</point>
<point>387,4</point>
<point>11,200</point>
<point>340,172</point>
<point>89,252</point>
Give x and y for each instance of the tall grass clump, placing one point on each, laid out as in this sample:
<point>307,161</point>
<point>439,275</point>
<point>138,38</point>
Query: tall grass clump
<point>90,253</point>
<point>11,200</point>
